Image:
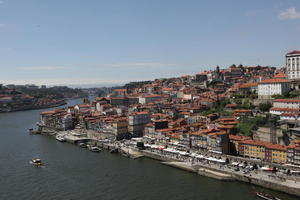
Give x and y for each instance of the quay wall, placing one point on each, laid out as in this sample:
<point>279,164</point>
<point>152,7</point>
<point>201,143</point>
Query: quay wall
<point>268,184</point>
<point>157,157</point>
<point>214,174</point>
<point>210,172</point>
<point>223,175</point>
<point>181,165</point>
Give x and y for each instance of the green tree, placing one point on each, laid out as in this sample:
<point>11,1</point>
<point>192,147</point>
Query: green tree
<point>264,107</point>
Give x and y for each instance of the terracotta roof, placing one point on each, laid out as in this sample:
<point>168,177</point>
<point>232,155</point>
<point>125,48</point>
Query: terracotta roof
<point>242,111</point>
<point>84,105</point>
<point>50,112</point>
<point>167,89</point>
<point>120,90</point>
<point>294,52</point>
<point>287,100</point>
<point>285,109</point>
<point>226,119</point>
<point>288,114</point>
<point>140,113</point>
<point>231,105</point>
<point>277,147</point>
<point>280,75</point>
<point>274,80</point>
<point>256,142</point>
<point>248,85</point>
<point>239,137</point>
<point>226,126</point>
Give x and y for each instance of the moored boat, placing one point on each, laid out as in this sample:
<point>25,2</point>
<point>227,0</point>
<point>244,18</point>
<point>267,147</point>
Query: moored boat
<point>266,196</point>
<point>82,145</point>
<point>32,131</point>
<point>60,138</point>
<point>94,149</point>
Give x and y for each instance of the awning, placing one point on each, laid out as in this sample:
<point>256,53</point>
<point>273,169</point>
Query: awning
<point>171,150</point>
<point>200,156</point>
<point>183,153</point>
<point>266,168</point>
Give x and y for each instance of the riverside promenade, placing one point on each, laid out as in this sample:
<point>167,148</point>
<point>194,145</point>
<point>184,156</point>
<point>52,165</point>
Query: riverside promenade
<point>227,173</point>
<point>220,171</point>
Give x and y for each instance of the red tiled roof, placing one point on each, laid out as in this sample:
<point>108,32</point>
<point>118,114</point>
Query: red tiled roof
<point>226,126</point>
<point>280,75</point>
<point>120,90</point>
<point>50,112</point>
<point>248,85</point>
<point>294,52</point>
<point>288,114</point>
<point>226,119</point>
<point>242,111</point>
<point>277,147</point>
<point>285,109</point>
<point>256,142</point>
<point>167,89</point>
<point>287,100</point>
<point>140,113</point>
<point>274,80</point>
<point>231,105</point>
<point>239,137</point>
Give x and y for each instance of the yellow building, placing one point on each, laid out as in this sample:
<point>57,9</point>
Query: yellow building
<point>266,151</point>
<point>276,153</point>
<point>254,149</point>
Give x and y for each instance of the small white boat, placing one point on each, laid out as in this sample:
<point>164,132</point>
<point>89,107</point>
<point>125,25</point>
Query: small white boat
<point>94,149</point>
<point>36,161</point>
<point>60,138</point>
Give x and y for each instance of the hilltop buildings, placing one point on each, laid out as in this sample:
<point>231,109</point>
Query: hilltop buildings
<point>194,112</point>
<point>269,87</point>
<point>292,64</point>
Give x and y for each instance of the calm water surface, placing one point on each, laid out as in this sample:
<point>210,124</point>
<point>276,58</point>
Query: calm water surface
<point>75,173</point>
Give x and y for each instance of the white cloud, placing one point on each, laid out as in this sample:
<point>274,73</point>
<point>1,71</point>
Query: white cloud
<point>153,64</point>
<point>38,68</point>
<point>289,13</point>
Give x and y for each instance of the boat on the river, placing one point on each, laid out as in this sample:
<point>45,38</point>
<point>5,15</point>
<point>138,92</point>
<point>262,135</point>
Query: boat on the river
<point>60,138</point>
<point>32,131</point>
<point>82,145</point>
<point>266,196</point>
<point>94,148</point>
<point>36,162</point>
<point>115,150</point>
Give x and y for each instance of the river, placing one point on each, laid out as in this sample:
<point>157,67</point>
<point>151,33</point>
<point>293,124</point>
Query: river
<point>74,173</point>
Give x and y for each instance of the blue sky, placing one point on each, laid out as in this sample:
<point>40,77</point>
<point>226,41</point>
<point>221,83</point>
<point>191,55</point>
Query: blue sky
<point>58,42</point>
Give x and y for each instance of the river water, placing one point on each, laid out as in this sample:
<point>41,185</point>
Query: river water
<point>74,173</point>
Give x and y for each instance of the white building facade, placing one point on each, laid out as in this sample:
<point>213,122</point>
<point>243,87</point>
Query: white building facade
<point>139,118</point>
<point>270,87</point>
<point>293,65</point>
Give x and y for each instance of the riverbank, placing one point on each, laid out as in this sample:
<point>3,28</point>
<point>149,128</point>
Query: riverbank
<point>34,107</point>
<point>219,172</point>
<point>287,186</point>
